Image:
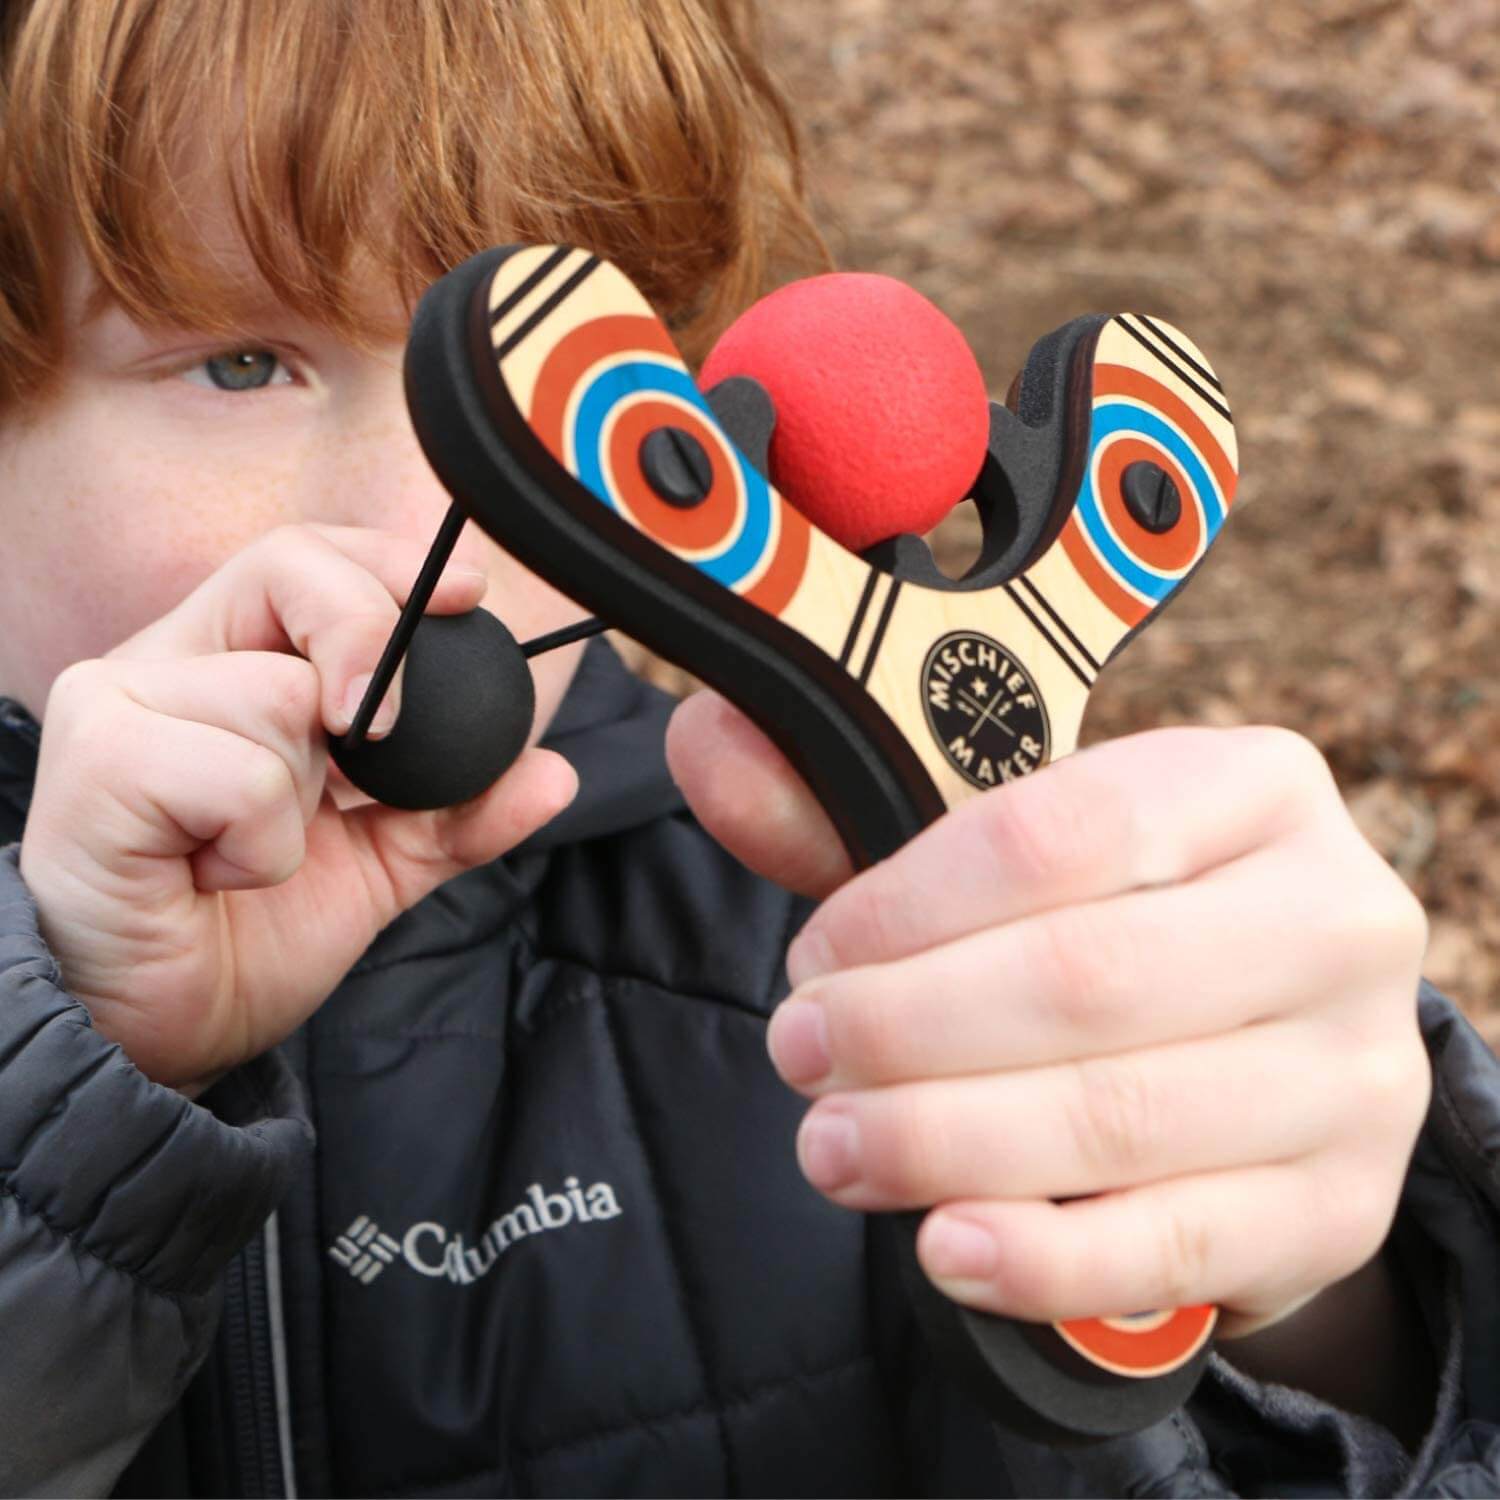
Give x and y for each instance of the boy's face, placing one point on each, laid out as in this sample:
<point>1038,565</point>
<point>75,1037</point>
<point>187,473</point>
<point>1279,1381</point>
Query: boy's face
<point>165,451</point>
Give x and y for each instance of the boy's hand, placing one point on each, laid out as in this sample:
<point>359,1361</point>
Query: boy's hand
<point>1142,1025</point>
<point>197,882</point>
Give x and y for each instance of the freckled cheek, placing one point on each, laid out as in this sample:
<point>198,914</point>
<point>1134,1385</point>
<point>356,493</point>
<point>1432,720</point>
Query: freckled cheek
<point>527,604</point>
<point>167,555</point>
<point>111,562</point>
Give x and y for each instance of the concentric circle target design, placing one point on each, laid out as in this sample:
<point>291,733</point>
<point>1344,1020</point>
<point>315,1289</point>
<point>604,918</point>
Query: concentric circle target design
<point>1135,418</point>
<point>609,383</point>
<point>1144,1344</point>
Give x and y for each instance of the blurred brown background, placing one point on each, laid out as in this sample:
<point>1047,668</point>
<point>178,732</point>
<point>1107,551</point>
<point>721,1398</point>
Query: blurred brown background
<point>1311,190</point>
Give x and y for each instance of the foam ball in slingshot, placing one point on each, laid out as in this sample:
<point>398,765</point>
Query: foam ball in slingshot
<point>882,417</point>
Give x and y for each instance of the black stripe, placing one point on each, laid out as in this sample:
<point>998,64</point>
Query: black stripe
<point>1047,636</point>
<point>875,575</point>
<point>549,307</point>
<point>1175,368</point>
<point>879,636</point>
<point>1179,351</point>
<point>1058,620</point>
<point>533,281</point>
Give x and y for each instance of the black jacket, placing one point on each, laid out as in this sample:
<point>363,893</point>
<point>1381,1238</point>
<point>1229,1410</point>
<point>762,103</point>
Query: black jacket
<point>552,1238</point>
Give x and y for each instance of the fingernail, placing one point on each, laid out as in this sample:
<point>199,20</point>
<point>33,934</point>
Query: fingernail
<point>469,575</point>
<point>828,1148</point>
<point>809,956</point>
<point>354,695</point>
<point>798,1041</point>
<point>956,1251</point>
<point>385,716</point>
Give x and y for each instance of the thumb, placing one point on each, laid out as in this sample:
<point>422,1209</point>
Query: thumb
<point>746,794</point>
<point>408,854</point>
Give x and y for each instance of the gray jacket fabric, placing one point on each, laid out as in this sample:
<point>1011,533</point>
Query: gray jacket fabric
<point>551,1238</point>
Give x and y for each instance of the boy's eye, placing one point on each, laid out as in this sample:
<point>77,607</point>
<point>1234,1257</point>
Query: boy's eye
<point>241,370</point>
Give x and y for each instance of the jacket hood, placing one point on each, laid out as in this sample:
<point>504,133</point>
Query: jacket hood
<point>610,725</point>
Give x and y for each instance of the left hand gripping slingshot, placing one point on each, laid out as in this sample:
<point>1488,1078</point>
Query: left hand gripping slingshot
<point>555,408</point>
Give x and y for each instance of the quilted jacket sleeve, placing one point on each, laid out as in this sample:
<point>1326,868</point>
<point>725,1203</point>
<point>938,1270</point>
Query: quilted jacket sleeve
<point>120,1204</point>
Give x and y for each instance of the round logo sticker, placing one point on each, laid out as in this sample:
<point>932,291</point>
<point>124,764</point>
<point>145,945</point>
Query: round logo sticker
<point>983,709</point>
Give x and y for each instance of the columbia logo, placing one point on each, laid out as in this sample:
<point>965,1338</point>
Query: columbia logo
<point>363,1250</point>
<point>431,1249</point>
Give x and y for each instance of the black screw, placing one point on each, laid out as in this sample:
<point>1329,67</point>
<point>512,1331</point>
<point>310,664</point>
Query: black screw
<point>1150,496</point>
<point>676,467</point>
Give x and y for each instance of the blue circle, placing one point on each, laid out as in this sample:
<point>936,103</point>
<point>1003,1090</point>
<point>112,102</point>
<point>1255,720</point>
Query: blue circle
<point>643,376</point>
<point>1110,418</point>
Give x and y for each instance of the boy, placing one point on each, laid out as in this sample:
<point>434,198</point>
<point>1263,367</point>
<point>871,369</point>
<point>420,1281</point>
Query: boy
<point>553,1237</point>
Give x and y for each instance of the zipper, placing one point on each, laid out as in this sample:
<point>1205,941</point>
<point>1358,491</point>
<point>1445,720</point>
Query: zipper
<point>253,1344</point>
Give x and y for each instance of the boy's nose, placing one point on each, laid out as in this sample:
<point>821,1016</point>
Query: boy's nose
<point>375,474</point>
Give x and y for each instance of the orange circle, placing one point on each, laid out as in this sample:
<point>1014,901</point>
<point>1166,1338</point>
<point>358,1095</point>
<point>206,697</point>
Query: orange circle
<point>692,528</point>
<point>1121,380</point>
<point>1168,551</point>
<point>1155,1349</point>
<point>780,582</point>
<point>573,355</point>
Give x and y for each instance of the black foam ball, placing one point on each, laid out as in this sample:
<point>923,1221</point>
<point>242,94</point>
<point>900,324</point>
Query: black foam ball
<point>467,703</point>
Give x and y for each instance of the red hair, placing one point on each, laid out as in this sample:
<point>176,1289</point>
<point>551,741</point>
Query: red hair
<point>402,135</point>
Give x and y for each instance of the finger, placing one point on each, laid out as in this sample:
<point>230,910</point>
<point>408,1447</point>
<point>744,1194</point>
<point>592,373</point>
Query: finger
<point>329,593</point>
<point>1098,1125</point>
<point>165,757</point>
<point>251,831</point>
<point>746,794</point>
<point>1148,810</point>
<point>176,788</point>
<point>1255,1242</point>
<point>408,854</point>
<point>269,700</point>
<point>1136,970</point>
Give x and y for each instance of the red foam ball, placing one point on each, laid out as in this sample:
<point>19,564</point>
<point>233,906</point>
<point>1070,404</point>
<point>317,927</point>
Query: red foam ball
<point>882,417</point>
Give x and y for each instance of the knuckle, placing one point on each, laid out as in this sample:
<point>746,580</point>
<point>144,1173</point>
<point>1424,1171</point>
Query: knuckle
<point>1083,963</point>
<point>869,1035</point>
<point>77,690</point>
<point>1393,922</point>
<point>87,725</point>
<point>371,620</point>
<point>1185,1249</point>
<point>1036,1282</point>
<point>292,551</point>
<point>1291,762</point>
<point>283,855</point>
<point>73,679</point>
<point>1353,1216</point>
<point>1039,831</point>
<point>292,852</point>
<point>1408,925</point>
<point>906,1164</point>
<point>1117,1119</point>
<point>1392,1084</point>
<point>884,915</point>
<point>264,782</point>
<point>1294,755</point>
<point>290,695</point>
<point>288,539</point>
<point>1363,924</point>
